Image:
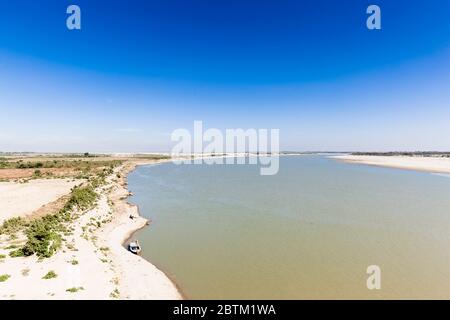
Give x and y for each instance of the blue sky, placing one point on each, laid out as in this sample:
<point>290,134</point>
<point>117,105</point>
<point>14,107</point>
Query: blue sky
<point>140,69</point>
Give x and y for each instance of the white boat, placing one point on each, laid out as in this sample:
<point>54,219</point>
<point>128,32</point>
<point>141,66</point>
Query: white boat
<point>134,247</point>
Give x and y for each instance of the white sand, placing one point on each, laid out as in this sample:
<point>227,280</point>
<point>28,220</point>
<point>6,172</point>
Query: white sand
<point>429,164</point>
<point>139,279</point>
<point>21,199</point>
<point>105,269</point>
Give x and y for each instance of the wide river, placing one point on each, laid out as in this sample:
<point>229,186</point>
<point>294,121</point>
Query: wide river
<point>311,231</point>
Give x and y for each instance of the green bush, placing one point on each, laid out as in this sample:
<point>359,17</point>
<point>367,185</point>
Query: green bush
<point>4,277</point>
<point>43,240</point>
<point>73,290</point>
<point>12,225</point>
<point>37,174</point>
<point>50,275</point>
<point>115,294</point>
<point>16,253</point>
<point>81,198</point>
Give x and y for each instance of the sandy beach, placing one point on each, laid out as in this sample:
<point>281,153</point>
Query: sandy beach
<point>428,164</point>
<point>93,262</point>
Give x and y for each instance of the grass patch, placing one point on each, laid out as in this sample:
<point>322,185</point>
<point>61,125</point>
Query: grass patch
<point>74,262</point>
<point>12,225</point>
<point>74,289</point>
<point>50,275</point>
<point>4,277</point>
<point>2,256</point>
<point>17,253</point>
<point>115,294</point>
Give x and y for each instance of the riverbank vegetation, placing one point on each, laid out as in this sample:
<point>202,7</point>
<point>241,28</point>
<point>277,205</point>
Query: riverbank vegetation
<point>50,275</point>
<point>37,168</point>
<point>44,235</point>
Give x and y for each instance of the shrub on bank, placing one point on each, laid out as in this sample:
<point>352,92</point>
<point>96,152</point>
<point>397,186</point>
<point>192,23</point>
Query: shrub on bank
<point>43,239</point>
<point>50,275</point>
<point>12,225</point>
<point>4,277</point>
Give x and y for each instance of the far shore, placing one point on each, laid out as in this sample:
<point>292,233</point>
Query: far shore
<point>418,163</point>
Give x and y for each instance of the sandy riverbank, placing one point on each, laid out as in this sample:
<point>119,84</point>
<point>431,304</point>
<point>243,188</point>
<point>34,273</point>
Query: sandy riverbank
<point>428,164</point>
<point>139,278</point>
<point>93,263</point>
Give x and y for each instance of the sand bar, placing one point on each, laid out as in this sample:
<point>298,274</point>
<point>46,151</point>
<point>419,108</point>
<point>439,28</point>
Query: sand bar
<point>428,164</point>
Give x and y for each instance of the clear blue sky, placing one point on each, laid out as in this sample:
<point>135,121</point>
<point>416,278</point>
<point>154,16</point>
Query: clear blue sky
<point>139,69</point>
